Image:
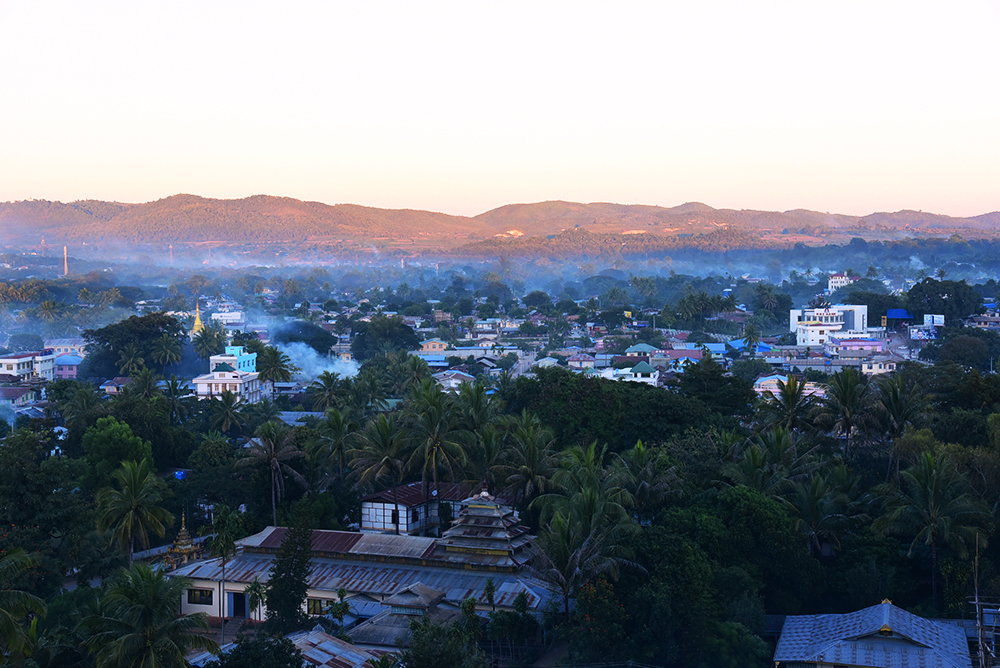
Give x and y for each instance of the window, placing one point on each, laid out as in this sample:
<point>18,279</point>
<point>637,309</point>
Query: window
<point>395,517</point>
<point>317,606</point>
<point>200,596</point>
<point>415,516</point>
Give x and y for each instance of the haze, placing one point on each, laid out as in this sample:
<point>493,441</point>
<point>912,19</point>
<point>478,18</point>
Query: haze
<point>850,107</point>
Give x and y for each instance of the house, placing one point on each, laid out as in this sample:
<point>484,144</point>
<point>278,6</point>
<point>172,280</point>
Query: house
<point>641,349</point>
<point>433,346</point>
<point>418,508</point>
<point>882,636</point>
<point>37,365</point>
<point>835,282</point>
<point>815,326</point>
<point>116,385</point>
<point>546,362</point>
<point>234,371</point>
<point>642,373</point>
<point>372,567</point>
<point>15,397</point>
<point>68,346</point>
<point>854,347</point>
<point>392,623</point>
<point>66,365</point>
<point>769,384</point>
<point>318,649</point>
<point>581,361</point>
<point>877,367</point>
<point>450,380</point>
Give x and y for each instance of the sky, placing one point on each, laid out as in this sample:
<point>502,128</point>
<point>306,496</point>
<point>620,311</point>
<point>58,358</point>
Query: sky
<point>461,107</point>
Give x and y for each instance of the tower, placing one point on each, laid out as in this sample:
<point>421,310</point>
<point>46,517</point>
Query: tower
<point>197,326</point>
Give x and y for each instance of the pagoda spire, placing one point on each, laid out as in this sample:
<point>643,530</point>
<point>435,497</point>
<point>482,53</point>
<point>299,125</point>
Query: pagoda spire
<point>197,326</point>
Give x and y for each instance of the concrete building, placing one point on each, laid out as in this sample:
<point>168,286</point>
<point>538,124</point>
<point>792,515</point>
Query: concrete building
<point>68,346</point>
<point>66,366</point>
<point>837,281</point>
<point>816,326</point>
<point>38,365</point>
<point>234,371</point>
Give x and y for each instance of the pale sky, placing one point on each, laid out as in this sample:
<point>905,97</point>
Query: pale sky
<point>848,107</point>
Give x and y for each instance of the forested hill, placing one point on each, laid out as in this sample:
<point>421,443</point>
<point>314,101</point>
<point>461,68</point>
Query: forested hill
<point>516,228</point>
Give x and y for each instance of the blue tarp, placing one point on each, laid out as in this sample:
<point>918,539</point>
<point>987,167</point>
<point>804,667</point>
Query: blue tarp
<point>898,314</point>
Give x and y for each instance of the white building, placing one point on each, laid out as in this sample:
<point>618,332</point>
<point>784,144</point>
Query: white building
<point>837,281</point>
<point>816,326</point>
<point>234,371</point>
<point>230,318</point>
<point>38,365</point>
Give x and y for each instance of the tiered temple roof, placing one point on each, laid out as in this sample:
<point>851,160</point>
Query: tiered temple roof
<point>483,527</point>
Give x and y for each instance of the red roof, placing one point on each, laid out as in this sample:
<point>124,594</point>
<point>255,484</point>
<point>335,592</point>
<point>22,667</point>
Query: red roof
<point>415,494</point>
<point>13,392</point>
<point>323,541</point>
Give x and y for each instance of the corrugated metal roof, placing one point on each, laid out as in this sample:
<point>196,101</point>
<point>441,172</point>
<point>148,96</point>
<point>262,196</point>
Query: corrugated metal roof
<point>882,636</point>
<point>414,493</point>
<point>379,579</point>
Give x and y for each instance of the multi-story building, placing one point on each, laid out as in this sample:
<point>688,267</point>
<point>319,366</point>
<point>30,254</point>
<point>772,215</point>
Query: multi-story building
<point>234,371</point>
<point>816,326</point>
<point>38,365</point>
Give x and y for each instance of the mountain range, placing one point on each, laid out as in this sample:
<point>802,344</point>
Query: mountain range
<point>262,219</point>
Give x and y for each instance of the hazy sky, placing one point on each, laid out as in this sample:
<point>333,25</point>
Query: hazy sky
<point>460,107</point>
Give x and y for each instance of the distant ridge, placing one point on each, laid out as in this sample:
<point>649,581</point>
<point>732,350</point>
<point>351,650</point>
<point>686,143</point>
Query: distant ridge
<point>265,219</point>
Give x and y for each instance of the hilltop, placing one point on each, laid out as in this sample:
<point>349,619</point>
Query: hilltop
<point>515,228</point>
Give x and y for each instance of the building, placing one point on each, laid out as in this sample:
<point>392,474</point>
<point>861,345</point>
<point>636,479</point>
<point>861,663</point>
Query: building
<point>37,365</point>
<point>16,397</point>
<point>816,326</point>
<point>433,346</point>
<point>769,384</point>
<point>451,379</point>
<point>837,281</point>
<point>116,385</point>
<point>370,568</point>
<point>70,346</point>
<point>882,636</point>
<point>234,371</point>
<point>318,649</point>
<point>67,364</point>
<point>392,624</point>
<point>876,367</point>
<point>581,361</point>
<point>856,348</point>
<point>413,507</point>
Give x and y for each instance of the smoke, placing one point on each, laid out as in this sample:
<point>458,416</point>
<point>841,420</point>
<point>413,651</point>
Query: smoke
<point>915,263</point>
<point>312,364</point>
<point>7,413</point>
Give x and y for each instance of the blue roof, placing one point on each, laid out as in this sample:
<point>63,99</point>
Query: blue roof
<point>880,636</point>
<point>740,344</point>
<point>898,314</point>
<point>69,360</point>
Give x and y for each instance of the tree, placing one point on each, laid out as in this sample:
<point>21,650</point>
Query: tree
<point>132,511</point>
<point>275,366</point>
<point>137,622</point>
<point>260,652</point>
<point>176,393</point>
<point>287,582</point>
<point>934,506</point>
<point>106,445</point>
<point>106,344</point>
<point>14,603</point>
<point>846,407</point>
<point>226,412</point>
<point>381,335</point>
<point>256,593</point>
<point>226,527</point>
<point>130,360</point>
<point>434,645</point>
<point>145,384</point>
<point>166,350</point>
<point>206,343</point>
<point>273,448</point>
<point>325,390</point>
<point>531,459</point>
<point>336,432</point>
<point>791,408</point>
<point>380,457</point>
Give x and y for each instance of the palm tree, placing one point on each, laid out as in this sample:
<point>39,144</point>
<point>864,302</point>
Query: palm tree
<point>531,460</point>
<point>818,509</point>
<point>226,412</point>
<point>380,457</point>
<point>899,406</point>
<point>273,447</point>
<point>130,360</point>
<point>256,593</point>
<point>145,384</point>
<point>274,365</point>
<point>84,403</point>
<point>791,408</point>
<point>934,506</point>
<point>137,622</point>
<point>751,339</point>
<point>176,393</point>
<point>771,462</point>
<point>325,390</point>
<point>166,350</point>
<point>336,432</point>
<point>846,408</point>
<point>258,413</point>
<point>226,527</point>
<point>206,343</point>
<point>14,603</point>
<point>132,511</point>
<point>439,445</point>
<point>642,473</point>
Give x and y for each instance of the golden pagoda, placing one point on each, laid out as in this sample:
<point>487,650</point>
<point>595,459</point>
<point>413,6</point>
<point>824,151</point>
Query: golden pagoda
<point>197,326</point>
<point>183,550</point>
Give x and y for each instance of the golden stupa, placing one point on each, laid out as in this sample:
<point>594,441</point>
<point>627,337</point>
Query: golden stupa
<point>197,326</point>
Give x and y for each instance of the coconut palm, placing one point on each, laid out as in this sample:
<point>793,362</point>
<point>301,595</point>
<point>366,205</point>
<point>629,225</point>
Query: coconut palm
<point>130,360</point>
<point>819,512</point>
<point>145,384</point>
<point>206,343</point>
<point>642,473</point>
<point>846,408</point>
<point>380,456</point>
<point>531,459</point>
<point>85,402</point>
<point>751,339</point>
<point>256,593</point>
<point>137,622</point>
<point>274,365</point>
<point>899,407</point>
<point>335,433</point>
<point>14,603</point>
<point>176,394</point>
<point>325,390</point>
<point>226,412</point>
<point>273,448</point>
<point>934,506</point>
<point>166,350</point>
<point>225,529</point>
<point>132,510</point>
<point>791,408</point>
<point>771,462</point>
